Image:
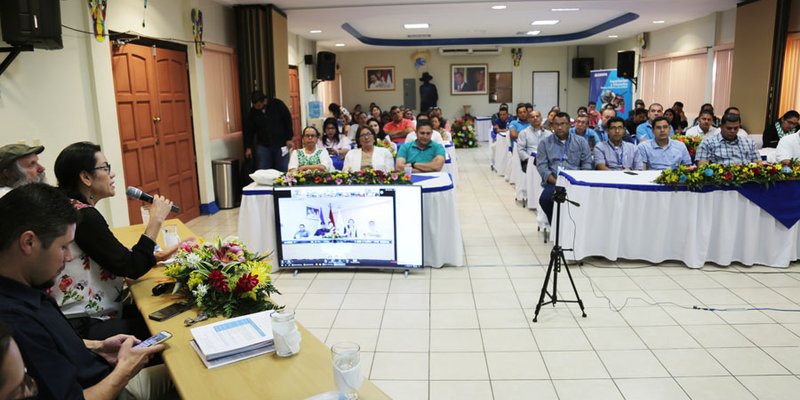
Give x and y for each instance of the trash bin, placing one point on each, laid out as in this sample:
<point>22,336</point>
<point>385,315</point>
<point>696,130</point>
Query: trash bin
<point>226,182</point>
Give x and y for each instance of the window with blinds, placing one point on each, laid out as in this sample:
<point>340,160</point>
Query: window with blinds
<point>790,87</point>
<point>674,78</point>
<point>723,70</point>
<point>222,91</point>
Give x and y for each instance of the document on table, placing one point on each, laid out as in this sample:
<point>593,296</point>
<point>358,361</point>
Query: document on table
<point>234,335</point>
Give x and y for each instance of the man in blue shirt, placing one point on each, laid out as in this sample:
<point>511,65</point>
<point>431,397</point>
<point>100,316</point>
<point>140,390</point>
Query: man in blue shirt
<point>582,129</point>
<point>559,150</point>
<point>726,147</point>
<point>616,154</point>
<point>423,154</point>
<point>516,126</point>
<point>663,152</point>
<point>644,131</point>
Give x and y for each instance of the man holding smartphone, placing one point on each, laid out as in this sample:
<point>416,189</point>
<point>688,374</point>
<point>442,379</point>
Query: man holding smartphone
<point>37,224</point>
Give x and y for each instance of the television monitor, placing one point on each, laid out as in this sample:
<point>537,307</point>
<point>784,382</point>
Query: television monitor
<point>344,227</point>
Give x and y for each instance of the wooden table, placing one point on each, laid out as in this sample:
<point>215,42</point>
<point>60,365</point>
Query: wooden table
<point>264,377</point>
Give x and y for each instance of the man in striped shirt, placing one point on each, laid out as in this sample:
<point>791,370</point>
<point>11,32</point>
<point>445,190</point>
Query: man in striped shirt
<point>726,147</point>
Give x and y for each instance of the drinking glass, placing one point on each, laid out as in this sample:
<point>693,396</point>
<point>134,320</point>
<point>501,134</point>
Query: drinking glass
<point>285,333</point>
<point>347,368</point>
<point>171,237</point>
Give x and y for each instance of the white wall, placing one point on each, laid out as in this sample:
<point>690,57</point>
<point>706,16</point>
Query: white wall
<point>573,92</point>
<point>67,95</point>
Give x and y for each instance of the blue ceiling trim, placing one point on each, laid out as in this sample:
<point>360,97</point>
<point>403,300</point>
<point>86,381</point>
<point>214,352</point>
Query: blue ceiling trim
<point>610,24</point>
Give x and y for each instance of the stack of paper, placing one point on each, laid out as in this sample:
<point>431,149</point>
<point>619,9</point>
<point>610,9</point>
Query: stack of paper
<point>234,339</point>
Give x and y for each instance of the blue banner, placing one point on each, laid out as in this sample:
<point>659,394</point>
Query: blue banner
<point>606,88</point>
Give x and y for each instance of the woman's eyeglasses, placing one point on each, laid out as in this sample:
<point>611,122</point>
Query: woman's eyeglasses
<point>106,166</point>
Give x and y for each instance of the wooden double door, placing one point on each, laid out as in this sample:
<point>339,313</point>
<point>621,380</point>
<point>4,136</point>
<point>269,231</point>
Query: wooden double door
<point>155,126</point>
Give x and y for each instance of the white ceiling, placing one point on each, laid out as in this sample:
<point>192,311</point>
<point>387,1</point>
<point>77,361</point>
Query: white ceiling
<point>450,19</point>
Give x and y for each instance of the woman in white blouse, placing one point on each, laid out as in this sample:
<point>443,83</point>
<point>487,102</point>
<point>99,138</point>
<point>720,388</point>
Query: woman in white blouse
<point>367,155</point>
<point>310,157</point>
<point>332,140</point>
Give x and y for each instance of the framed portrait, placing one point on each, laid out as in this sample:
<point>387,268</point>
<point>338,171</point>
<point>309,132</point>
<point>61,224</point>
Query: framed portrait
<point>379,78</point>
<point>312,213</point>
<point>468,79</point>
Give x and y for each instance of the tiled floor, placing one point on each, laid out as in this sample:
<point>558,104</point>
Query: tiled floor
<point>466,333</point>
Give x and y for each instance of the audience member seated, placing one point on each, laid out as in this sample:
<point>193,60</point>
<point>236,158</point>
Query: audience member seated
<point>787,125</point>
<point>637,105</point>
<point>727,147</point>
<point>594,115</point>
<point>500,123</point>
<point>516,126</point>
<point>644,131</point>
<point>37,227</point>
<point>310,158</point>
<point>582,129</point>
<point>19,165</point>
<point>736,111</point>
<point>530,137</point>
<point>662,152</point>
<point>90,289</point>
<point>639,117</point>
<point>549,121</point>
<point>707,107</point>
<point>423,154</point>
<point>359,118</point>
<point>436,124</point>
<point>398,128</point>
<point>333,141</point>
<point>375,112</point>
<point>15,383</point>
<point>677,108</point>
<point>559,150</point>
<point>703,127</point>
<point>616,154</point>
<point>368,155</point>
<point>674,121</point>
<point>788,148</point>
<point>341,115</point>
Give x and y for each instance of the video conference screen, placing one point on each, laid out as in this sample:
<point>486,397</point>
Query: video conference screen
<point>349,226</point>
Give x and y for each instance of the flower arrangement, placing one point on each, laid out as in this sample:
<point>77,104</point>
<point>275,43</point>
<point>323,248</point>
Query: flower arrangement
<point>692,143</point>
<point>696,177</point>
<point>386,144</point>
<point>362,177</point>
<point>222,277</point>
<point>463,132</point>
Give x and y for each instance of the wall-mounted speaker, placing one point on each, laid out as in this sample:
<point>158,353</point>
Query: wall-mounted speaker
<point>326,66</point>
<point>625,64</point>
<point>34,23</point>
<point>581,67</point>
<point>308,59</point>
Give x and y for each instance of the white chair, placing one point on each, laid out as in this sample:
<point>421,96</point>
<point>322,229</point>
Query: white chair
<point>501,154</point>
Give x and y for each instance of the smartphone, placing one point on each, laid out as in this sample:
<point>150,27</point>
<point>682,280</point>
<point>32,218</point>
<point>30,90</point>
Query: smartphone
<point>160,337</point>
<point>170,311</point>
<point>631,173</point>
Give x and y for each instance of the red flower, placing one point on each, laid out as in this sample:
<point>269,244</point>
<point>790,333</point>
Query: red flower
<point>246,283</point>
<point>727,176</point>
<point>218,281</point>
<point>65,283</point>
<point>317,179</point>
<point>772,171</point>
<point>189,246</point>
<point>756,171</point>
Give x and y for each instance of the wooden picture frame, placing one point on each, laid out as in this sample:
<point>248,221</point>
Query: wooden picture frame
<point>469,79</point>
<point>379,78</point>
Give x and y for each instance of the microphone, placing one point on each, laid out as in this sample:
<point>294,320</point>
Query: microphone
<point>137,194</point>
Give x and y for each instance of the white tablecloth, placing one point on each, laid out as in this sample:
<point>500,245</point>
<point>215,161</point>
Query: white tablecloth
<point>768,154</point>
<point>442,243</point>
<point>634,223</point>
<point>483,128</point>
<point>450,164</point>
<point>501,154</point>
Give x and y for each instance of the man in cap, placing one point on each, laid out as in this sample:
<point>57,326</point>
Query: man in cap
<point>19,165</point>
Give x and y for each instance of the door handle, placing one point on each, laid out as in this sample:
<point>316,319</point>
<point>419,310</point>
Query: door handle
<point>156,120</point>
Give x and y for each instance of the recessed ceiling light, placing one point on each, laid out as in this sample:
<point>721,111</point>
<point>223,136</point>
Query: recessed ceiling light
<point>315,31</point>
<point>564,9</point>
<point>416,26</point>
<point>339,45</point>
<point>533,33</point>
<point>613,36</point>
<point>499,7</point>
<point>658,22</point>
<point>545,22</point>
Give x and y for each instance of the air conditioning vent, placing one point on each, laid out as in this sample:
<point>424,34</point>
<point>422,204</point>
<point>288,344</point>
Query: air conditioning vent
<point>469,51</point>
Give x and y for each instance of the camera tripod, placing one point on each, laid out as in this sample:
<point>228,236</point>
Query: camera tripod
<point>557,259</point>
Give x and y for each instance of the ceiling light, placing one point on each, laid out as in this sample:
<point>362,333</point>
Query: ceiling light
<point>315,31</point>
<point>416,26</point>
<point>564,9</point>
<point>533,33</point>
<point>339,45</point>
<point>545,22</point>
<point>499,7</point>
<point>658,22</point>
<point>613,36</point>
